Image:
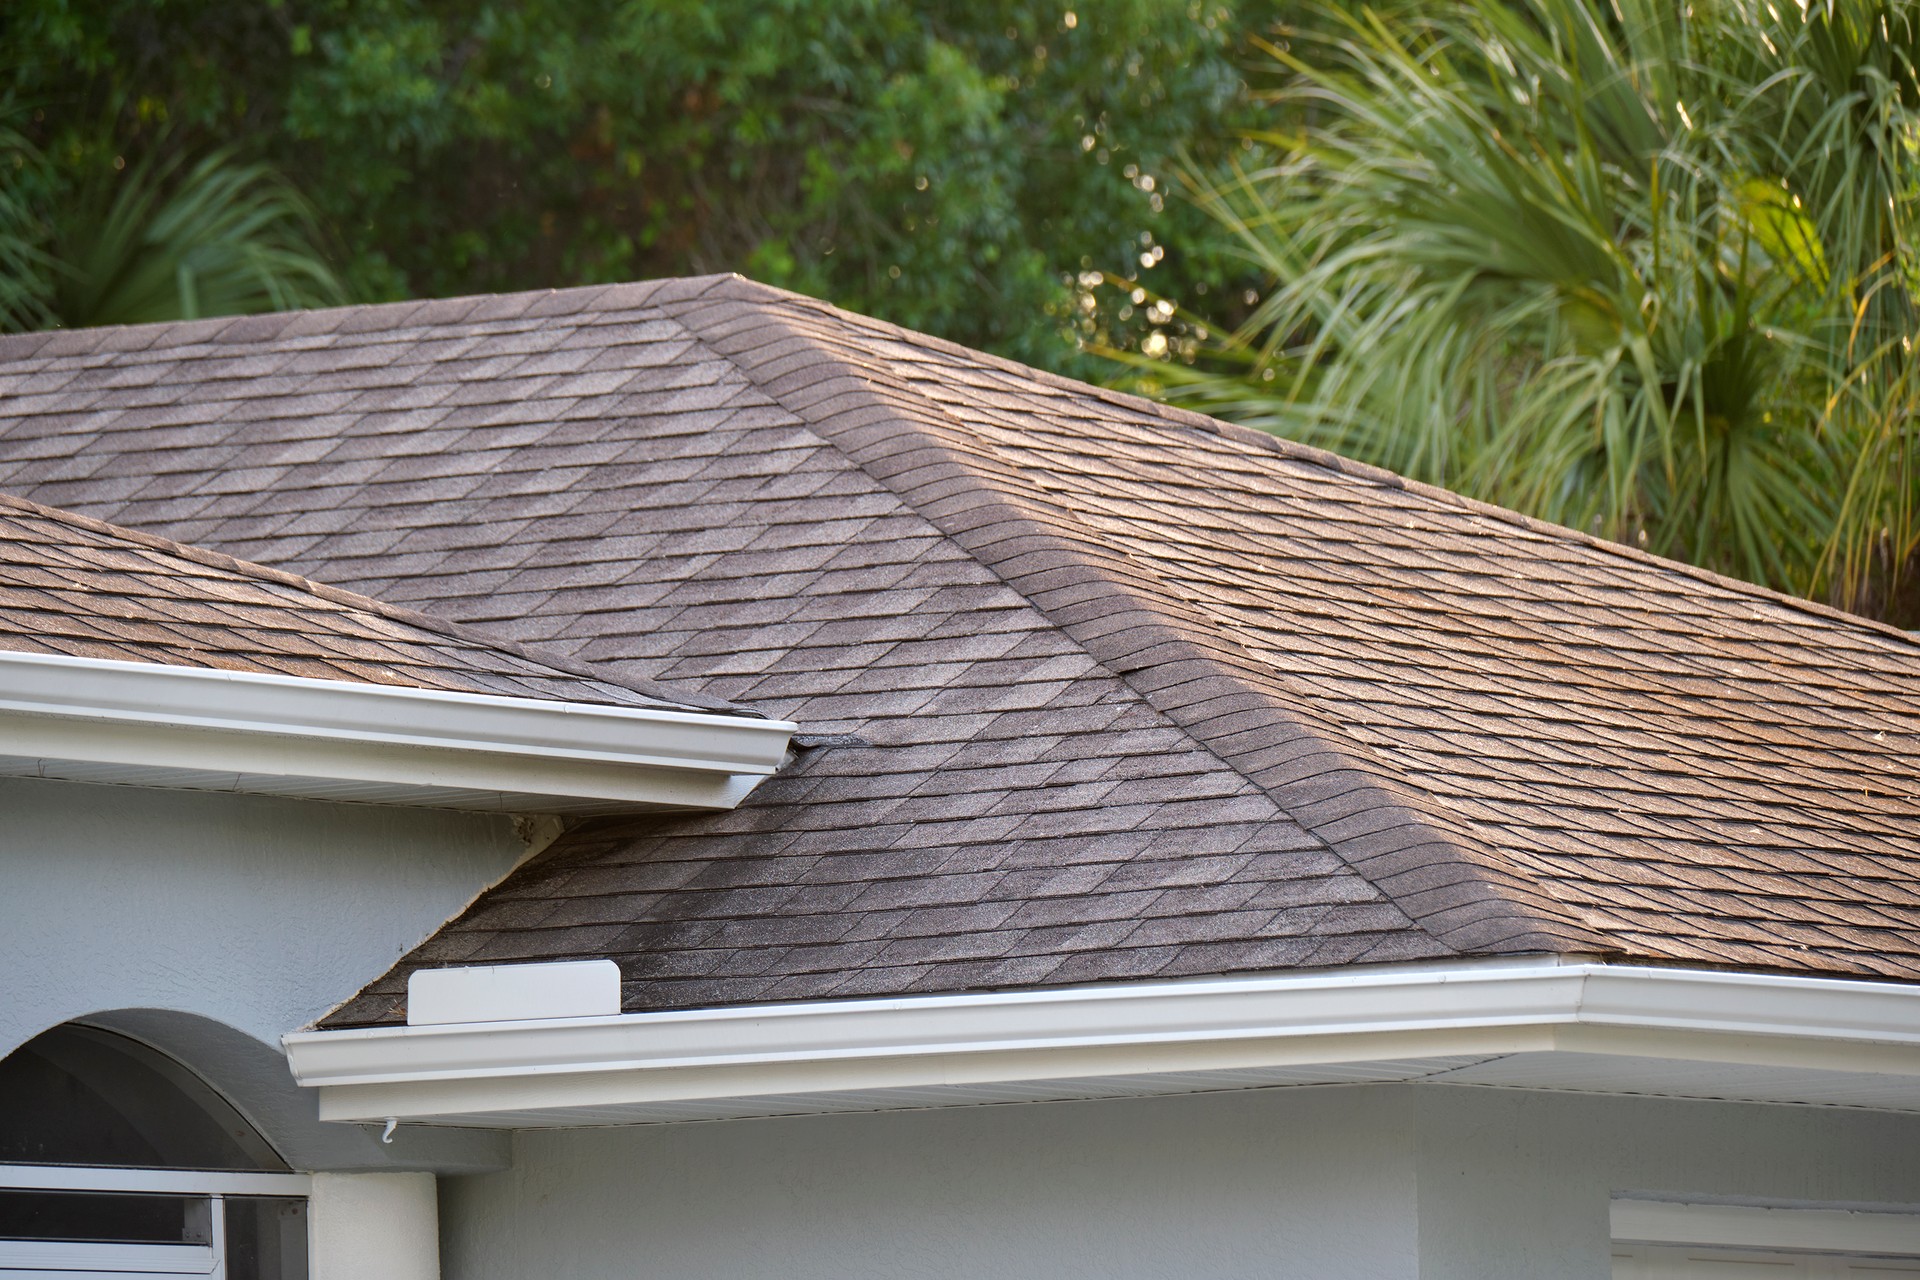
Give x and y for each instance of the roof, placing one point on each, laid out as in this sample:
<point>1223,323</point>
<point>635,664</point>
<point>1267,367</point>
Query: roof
<point>81,588</point>
<point>1137,693</point>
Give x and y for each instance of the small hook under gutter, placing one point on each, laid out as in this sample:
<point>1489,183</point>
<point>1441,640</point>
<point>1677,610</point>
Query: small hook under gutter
<point>386,1134</point>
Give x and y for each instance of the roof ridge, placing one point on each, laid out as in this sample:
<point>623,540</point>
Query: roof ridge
<point>460,631</point>
<point>681,290</point>
<point>357,317</point>
<point>1436,870</point>
<point>1326,460</point>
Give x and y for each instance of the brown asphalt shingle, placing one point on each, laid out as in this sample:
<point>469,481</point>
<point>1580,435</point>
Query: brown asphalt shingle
<point>77,587</point>
<point>1140,694</point>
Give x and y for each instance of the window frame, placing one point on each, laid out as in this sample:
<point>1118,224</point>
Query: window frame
<point>139,1260</point>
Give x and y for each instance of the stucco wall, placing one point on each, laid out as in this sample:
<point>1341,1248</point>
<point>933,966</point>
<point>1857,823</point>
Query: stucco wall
<point>1514,1185</point>
<point>255,913</point>
<point>1302,1184</point>
<point>1316,1185</point>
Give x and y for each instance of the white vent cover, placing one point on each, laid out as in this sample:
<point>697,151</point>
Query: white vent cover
<point>513,992</point>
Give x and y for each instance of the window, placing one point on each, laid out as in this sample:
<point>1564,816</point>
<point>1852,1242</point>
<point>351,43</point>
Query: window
<point>116,1161</point>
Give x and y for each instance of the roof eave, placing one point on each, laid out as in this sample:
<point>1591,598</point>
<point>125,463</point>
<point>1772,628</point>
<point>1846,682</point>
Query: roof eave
<point>199,728</point>
<point>1541,1022</point>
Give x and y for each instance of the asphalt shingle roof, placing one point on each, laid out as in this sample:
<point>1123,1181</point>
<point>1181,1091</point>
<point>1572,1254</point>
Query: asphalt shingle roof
<point>81,588</point>
<point>1136,693</point>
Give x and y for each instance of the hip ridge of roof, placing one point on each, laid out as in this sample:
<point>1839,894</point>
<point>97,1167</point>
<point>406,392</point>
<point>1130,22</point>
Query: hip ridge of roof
<point>737,286</point>
<point>1434,866</point>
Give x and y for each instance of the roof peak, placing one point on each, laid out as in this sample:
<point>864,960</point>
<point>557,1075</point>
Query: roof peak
<point>678,294</point>
<point>743,289</point>
<point>356,318</point>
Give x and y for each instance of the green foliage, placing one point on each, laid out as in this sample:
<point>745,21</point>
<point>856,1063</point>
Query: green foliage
<point>1631,267</point>
<point>26,278</point>
<point>157,243</point>
<point>951,165</point>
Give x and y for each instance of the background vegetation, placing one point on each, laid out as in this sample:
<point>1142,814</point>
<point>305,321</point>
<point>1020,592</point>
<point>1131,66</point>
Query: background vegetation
<point>1636,266</point>
<point>955,165</point>
<point>1643,267</point>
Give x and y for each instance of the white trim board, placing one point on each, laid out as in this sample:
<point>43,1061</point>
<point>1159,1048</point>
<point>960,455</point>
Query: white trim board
<point>1538,1009</point>
<point>132,1181</point>
<point>89,719</point>
<point>77,1259</point>
<point>1662,1222</point>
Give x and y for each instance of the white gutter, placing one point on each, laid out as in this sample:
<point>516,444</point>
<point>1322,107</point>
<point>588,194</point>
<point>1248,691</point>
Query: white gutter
<point>1463,1009</point>
<point>289,735</point>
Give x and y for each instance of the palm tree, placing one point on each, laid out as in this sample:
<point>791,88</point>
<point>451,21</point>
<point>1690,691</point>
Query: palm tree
<point>166,241</point>
<point>1627,266</point>
<point>25,269</point>
<point>158,240</point>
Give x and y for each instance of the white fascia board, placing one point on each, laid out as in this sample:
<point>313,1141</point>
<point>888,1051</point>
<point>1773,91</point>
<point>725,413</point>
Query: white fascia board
<point>199,724</point>
<point>1380,1014</point>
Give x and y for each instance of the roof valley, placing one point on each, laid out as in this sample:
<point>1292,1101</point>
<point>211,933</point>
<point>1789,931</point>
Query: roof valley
<point>1448,880</point>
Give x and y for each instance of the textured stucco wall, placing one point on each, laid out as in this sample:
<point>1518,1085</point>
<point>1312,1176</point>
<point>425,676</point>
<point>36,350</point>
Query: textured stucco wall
<point>1297,1184</point>
<point>373,1226</point>
<point>254,913</point>
<point>1514,1185</point>
<point>1315,1184</point>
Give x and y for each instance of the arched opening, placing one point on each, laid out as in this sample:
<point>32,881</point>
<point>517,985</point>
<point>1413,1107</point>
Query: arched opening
<point>116,1160</point>
<point>80,1095</point>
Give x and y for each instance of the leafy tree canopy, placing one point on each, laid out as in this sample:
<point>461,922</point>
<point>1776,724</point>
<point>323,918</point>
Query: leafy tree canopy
<point>1635,266</point>
<point>957,166</point>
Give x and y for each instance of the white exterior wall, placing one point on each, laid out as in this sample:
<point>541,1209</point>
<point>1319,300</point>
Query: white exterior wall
<point>1514,1185</point>
<point>252,914</point>
<point>1316,1183</point>
<point>258,912</point>
<point>363,1226</point>
<point>1331,1183</point>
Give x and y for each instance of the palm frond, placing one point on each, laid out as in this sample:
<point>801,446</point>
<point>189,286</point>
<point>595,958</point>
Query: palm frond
<point>26,269</point>
<point>1633,267</point>
<point>163,242</point>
